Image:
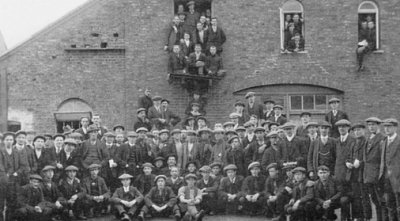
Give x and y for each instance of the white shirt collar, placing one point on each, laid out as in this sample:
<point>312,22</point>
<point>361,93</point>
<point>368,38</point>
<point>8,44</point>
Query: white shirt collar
<point>391,138</point>
<point>126,189</point>
<point>344,138</point>
<point>290,138</point>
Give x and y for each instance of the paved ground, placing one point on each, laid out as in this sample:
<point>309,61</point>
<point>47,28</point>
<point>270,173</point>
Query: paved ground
<point>207,218</point>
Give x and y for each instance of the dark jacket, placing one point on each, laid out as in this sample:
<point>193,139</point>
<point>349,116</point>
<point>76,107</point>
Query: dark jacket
<point>145,182</point>
<point>142,123</point>
<point>29,197</point>
<point>101,151</point>
<point>331,191</point>
<point>175,186</point>
<point>294,151</point>
<point>343,151</point>
<point>211,186</point>
<point>160,198</point>
<point>304,191</point>
<point>372,158</point>
<point>226,186</point>
<point>334,132</point>
<point>103,189</point>
<point>133,194</point>
<point>68,190</point>
<point>252,185</point>
<point>328,151</point>
<point>51,194</point>
<point>145,102</point>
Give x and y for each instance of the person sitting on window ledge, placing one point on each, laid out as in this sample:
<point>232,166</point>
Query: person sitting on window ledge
<point>214,63</point>
<point>186,45</point>
<point>216,36</point>
<point>371,36</point>
<point>197,61</point>
<point>362,49</point>
<point>363,31</point>
<point>296,44</point>
<point>177,61</point>
<point>173,34</point>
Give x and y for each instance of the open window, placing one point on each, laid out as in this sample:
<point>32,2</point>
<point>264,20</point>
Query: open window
<point>292,26</point>
<point>201,6</point>
<point>368,24</point>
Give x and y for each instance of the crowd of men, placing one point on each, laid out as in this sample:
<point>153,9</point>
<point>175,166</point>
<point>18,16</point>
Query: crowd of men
<point>257,163</point>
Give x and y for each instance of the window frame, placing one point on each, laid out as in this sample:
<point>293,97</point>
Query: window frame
<point>282,13</point>
<point>302,103</point>
<point>371,11</point>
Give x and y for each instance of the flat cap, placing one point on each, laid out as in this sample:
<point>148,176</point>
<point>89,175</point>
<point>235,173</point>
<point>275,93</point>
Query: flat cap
<point>201,118</point>
<point>195,104</point>
<point>160,177</point>
<point>190,175</point>
<point>272,124</point>
<point>159,158</point>
<point>157,98</point>
<point>215,164</point>
<point>249,94</point>
<point>35,177</point>
<point>312,124</point>
<point>259,129</point>
<point>230,167</point>
<point>191,132</point>
<point>140,110</point>
<point>164,131</point>
<point>20,132</point>
<point>120,126</point>
<point>206,129</point>
<point>272,134</point>
<point>36,137</point>
<point>59,135</point>
<point>131,134</point>
<point>109,134</point>
<point>278,106</point>
<point>234,115</point>
<point>231,131</point>
<point>165,100</point>
<point>390,122</point>
<point>229,123</point>
<point>75,135</point>
<point>325,124</point>
<point>248,124</point>
<point>343,122</point>
<point>8,133</point>
<point>358,125</point>
<point>92,128</point>
<point>94,166</point>
<point>240,128</point>
<point>239,103</point>
<point>299,169</point>
<point>147,165</point>
<point>218,130</point>
<point>142,129</point>
<point>205,168</point>
<point>288,125</point>
<point>190,3</point>
<point>305,113</point>
<point>332,100</point>
<point>48,135</point>
<point>374,119</point>
<point>71,168</point>
<point>70,141</point>
<point>323,168</point>
<point>191,162</point>
<point>233,138</point>
<point>48,167</point>
<point>175,131</point>
<point>125,176</point>
<point>253,164</point>
<point>272,165</point>
<point>269,101</point>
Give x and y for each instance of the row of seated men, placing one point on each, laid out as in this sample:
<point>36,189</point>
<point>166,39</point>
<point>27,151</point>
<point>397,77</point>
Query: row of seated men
<point>345,157</point>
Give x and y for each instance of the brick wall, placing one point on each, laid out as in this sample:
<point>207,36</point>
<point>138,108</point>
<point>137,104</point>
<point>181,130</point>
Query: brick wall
<point>42,73</point>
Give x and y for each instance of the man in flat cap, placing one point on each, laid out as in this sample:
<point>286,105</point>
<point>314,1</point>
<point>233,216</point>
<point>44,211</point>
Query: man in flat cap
<point>334,116</point>
<point>175,181</point>
<point>372,161</point>
<point>322,151</point>
<point>177,61</point>
<point>312,134</point>
<point>209,187</point>
<point>390,167</point>
<point>43,156</point>
<point>71,156</point>
<point>253,190</point>
<point>189,199</point>
<point>305,118</point>
<point>96,119</point>
<point>58,153</point>
<point>30,201</point>
<point>235,155</point>
<point>269,109</point>
<point>302,204</point>
<point>93,151</point>
<point>190,148</point>
<point>97,192</point>
<point>127,200</point>
<point>142,120</point>
<point>292,147</point>
<point>164,148</point>
<point>274,181</point>
<point>192,17</point>
<point>272,154</point>
<point>160,201</point>
<point>256,149</point>
<point>71,189</point>
<point>55,202</point>
<point>27,158</point>
<point>84,127</point>
<point>216,36</point>
<point>155,113</point>
<point>229,190</point>
<point>145,181</point>
<point>253,107</point>
<point>278,116</point>
<point>145,101</point>
<point>205,146</point>
<point>344,144</point>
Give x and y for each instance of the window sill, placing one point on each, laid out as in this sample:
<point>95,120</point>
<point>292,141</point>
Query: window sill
<point>299,52</point>
<point>378,52</point>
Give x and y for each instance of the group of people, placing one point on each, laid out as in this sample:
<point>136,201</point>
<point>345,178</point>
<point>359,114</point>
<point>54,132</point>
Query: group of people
<point>293,33</point>
<point>257,163</point>
<point>366,38</point>
<point>194,42</point>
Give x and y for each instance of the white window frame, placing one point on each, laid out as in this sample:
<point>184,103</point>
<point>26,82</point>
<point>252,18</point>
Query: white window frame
<point>302,102</point>
<point>371,11</point>
<point>282,23</point>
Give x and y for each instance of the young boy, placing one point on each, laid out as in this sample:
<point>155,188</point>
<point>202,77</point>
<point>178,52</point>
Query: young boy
<point>327,194</point>
<point>230,189</point>
<point>190,197</point>
<point>160,201</point>
<point>253,190</point>
<point>208,187</point>
<point>97,192</point>
<point>127,200</point>
<point>174,181</point>
<point>70,187</point>
<point>144,182</point>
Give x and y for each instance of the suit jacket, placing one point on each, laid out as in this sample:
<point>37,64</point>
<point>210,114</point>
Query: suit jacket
<point>334,132</point>
<point>101,151</point>
<point>331,191</point>
<point>187,49</point>
<point>211,186</point>
<point>27,161</point>
<point>120,156</point>
<point>29,197</point>
<point>372,158</point>
<point>214,63</point>
<point>257,109</point>
<point>304,191</point>
<point>46,158</point>
<point>103,189</point>
<point>390,162</point>
<point>252,185</point>
<point>173,35</point>
<point>145,182</point>
<point>237,158</point>
<point>175,186</point>
<point>176,63</point>
<point>68,190</point>
<point>315,151</point>
<point>145,102</point>
<point>197,39</point>
<point>294,150</point>
<point>226,186</point>
<point>192,156</point>
<point>85,136</point>
<point>216,38</point>
<point>271,156</point>
<point>281,120</point>
<point>51,194</point>
<point>142,123</point>
<point>272,186</point>
<point>343,151</point>
<point>193,60</point>
<point>73,159</point>
<point>160,198</point>
<point>132,194</point>
<point>357,152</point>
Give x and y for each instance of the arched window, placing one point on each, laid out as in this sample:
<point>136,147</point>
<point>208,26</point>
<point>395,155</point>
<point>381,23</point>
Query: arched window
<point>292,26</point>
<point>70,112</point>
<point>368,24</point>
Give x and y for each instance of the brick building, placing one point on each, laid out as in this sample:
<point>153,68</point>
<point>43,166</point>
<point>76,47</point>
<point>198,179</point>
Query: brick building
<point>100,57</point>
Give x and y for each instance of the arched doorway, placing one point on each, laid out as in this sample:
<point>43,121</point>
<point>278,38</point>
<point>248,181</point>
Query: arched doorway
<point>70,111</point>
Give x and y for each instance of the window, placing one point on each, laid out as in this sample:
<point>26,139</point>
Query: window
<point>292,27</point>
<point>201,6</point>
<point>368,24</point>
<point>308,102</point>
<point>70,112</point>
